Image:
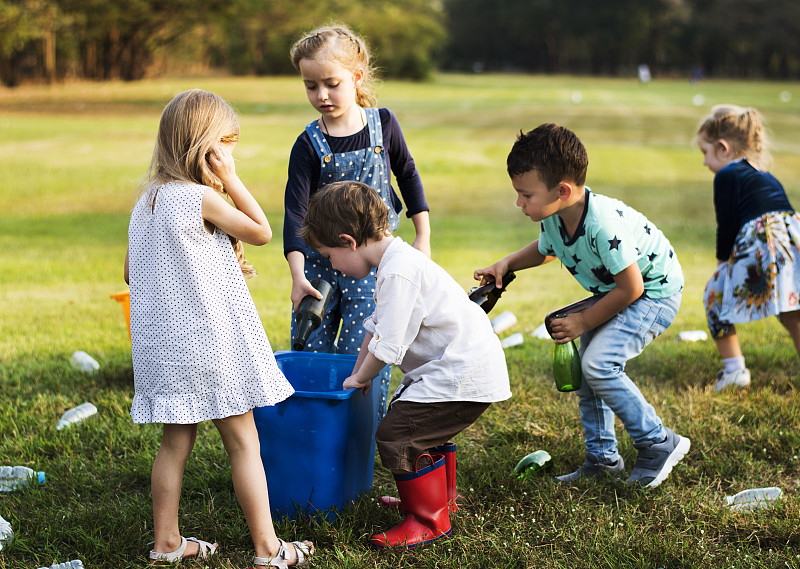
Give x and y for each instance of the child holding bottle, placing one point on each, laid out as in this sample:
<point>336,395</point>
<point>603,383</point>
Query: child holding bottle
<point>351,140</point>
<point>758,267</point>
<point>424,323</point>
<point>199,349</point>
<point>623,259</point>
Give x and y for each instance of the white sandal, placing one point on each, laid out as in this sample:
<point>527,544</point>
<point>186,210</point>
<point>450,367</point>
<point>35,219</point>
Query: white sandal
<point>281,561</point>
<point>205,551</point>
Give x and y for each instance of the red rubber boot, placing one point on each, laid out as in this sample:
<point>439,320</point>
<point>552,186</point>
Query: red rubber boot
<point>424,497</point>
<point>449,452</point>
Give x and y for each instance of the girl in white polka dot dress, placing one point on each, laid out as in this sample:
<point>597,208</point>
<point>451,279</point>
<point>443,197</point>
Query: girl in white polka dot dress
<point>199,349</point>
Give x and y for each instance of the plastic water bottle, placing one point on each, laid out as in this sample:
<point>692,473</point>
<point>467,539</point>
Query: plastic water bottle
<point>6,533</point>
<point>503,321</point>
<point>76,415</point>
<point>692,336</point>
<point>84,362</point>
<point>754,498</point>
<point>74,564</point>
<point>513,340</point>
<point>13,477</point>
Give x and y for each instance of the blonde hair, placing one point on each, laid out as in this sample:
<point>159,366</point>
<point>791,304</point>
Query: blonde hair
<point>338,43</point>
<point>191,125</point>
<point>742,128</point>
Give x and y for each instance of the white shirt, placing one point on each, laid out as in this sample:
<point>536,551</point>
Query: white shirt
<point>425,324</point>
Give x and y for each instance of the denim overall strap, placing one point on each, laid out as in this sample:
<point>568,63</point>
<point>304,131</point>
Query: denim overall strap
<point>367,165</point>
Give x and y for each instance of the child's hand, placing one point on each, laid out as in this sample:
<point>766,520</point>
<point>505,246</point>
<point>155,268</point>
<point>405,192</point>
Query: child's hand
<point>354,382</point>
<point>492,274</point>
<point>567,328</point>
<point>300,289</point>
<point>221,162</point>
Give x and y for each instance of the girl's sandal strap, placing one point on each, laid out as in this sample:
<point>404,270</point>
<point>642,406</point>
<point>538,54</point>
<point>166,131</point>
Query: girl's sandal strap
<point>204,551</point>
<point>204,548</point>
<point>172,555</point>
<point>281,561</point>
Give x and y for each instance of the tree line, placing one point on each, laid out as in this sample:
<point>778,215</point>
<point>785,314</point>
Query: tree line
<point>49,40</point>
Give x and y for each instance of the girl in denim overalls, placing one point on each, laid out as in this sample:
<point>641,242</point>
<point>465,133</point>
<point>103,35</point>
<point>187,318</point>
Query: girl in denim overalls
<point>351,140</point>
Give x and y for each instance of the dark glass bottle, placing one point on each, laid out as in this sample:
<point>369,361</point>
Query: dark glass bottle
<point>486,296</point>
<point>310,313</point>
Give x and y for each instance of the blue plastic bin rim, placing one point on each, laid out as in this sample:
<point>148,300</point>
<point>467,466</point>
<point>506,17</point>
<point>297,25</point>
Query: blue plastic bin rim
<point>335,395</point>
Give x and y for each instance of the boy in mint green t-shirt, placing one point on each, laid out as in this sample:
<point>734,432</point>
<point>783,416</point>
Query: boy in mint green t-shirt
<point>618,255</point>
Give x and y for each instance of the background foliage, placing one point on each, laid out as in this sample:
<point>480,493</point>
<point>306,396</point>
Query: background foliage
<point>104,39</point>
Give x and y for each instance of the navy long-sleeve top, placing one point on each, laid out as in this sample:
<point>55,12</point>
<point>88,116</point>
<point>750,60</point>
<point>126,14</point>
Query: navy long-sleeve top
<point>304,172</point>
<point>743,193</point>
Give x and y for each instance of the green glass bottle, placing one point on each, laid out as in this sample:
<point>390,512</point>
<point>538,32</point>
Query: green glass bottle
<point>566,366</point>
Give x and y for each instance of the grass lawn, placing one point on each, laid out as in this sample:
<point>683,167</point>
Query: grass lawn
<point>72,157</point>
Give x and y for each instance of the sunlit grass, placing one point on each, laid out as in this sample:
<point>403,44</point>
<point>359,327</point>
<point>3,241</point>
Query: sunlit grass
<point>72,157</point>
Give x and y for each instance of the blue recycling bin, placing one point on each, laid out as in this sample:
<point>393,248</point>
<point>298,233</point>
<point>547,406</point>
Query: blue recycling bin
<point>317,446</point>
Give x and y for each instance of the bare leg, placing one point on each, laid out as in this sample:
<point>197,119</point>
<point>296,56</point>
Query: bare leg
<point>791,321</point>
<point>177,442</point>
<point>241,442</point>
<point>728,345</point>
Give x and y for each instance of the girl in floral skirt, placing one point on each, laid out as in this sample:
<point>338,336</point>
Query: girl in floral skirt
<point>758,263</point>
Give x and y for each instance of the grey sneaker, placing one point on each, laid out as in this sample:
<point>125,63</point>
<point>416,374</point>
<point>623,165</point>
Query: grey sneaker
<point>739,378</point>
<point>655,460</point>
<point>593,468</point>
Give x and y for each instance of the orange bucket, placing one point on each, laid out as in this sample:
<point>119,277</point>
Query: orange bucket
<point>124,298</point>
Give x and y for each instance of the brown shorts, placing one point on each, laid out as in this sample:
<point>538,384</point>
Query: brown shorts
<point>409,429</point>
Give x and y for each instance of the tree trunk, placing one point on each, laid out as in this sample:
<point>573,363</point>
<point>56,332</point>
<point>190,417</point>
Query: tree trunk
<point>49,47</point>
<point>90,60</point>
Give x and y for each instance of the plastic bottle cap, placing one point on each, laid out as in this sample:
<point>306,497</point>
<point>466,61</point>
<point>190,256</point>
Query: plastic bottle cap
<point>40,477</point>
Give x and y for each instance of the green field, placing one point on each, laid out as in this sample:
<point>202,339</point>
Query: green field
<point>72,158</point>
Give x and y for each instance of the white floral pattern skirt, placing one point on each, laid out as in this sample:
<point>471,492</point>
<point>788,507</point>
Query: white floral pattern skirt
<point>762,276</point>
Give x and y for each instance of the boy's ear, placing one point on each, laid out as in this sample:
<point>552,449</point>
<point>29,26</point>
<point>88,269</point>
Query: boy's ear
<point>565,190</point>
<point>348,241</point>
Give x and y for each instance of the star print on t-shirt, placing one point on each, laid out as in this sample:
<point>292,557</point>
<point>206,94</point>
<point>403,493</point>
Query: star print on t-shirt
<point>603,275</point>
<point>611,237</point>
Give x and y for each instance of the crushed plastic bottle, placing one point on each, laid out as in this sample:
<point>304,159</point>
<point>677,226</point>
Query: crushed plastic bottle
<point>6,533</point>
<point>74,564</point>
<point>13,477</point>
<point>513,340</point>
<point>754,498</point>
<point>503,321</point>
<point>76,415</point>
<point>541,333</point>
<point>692,336</point>
<point>84,362</point>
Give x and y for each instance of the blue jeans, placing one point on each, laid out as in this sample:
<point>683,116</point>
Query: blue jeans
<point>606,390</point>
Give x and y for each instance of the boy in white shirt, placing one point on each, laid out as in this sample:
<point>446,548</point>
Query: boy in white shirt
<point>425,324</point>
